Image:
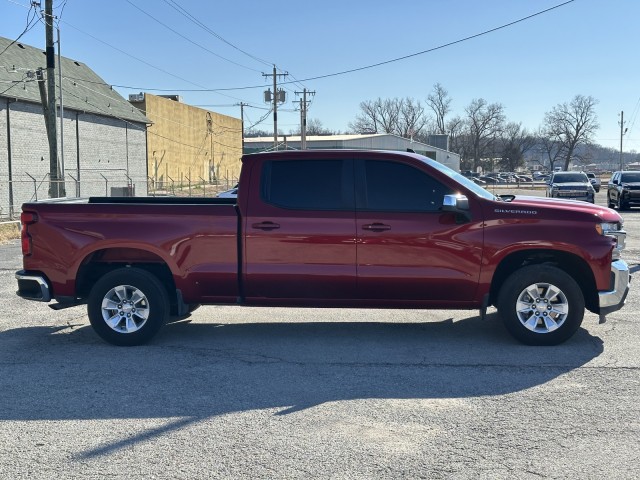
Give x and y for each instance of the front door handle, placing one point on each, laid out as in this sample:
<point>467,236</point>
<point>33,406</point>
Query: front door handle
<point>376,227</point>
<point>266,226</point>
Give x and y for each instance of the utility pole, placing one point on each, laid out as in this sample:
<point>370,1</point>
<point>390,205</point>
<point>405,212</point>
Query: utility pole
<point>242,105</point>
<point>622,132</point>
<point>55,189</point>
<point>61,110</point>
<point>303,117</point>
<point>278,96</point>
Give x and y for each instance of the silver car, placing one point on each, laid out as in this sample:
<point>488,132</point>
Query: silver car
<point>571,186</point>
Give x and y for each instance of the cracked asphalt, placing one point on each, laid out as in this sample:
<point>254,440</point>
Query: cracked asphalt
<point>317,393</point>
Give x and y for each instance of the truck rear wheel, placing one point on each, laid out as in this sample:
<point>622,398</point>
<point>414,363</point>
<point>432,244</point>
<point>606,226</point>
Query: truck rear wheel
<point>127,306</point>
<point>541,305</point>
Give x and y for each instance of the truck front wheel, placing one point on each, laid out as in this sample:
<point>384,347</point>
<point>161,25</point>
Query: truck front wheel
<point>127,306</point>
<point>541,305</point>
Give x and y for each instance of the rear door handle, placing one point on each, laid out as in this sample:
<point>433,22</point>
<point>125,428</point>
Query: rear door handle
<point>266,226</point>
<point>376,227</point>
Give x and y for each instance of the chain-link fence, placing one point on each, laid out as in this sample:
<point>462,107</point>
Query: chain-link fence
<point>27,188</point>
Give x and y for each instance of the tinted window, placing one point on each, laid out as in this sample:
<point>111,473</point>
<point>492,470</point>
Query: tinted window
<point>570,177</point>
<point>630,177</point>
<point>398,187</point>
<point>304,184</point>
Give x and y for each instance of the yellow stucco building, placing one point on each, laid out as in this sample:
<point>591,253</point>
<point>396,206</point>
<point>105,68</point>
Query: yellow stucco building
<point>187,144</point>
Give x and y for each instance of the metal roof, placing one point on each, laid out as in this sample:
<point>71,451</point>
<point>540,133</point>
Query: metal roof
<point>82,89</point>
<point>342,138</point>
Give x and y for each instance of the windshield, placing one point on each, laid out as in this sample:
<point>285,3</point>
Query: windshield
<point>458,177</point>
<point>570,177</point>
<point>630,177</point>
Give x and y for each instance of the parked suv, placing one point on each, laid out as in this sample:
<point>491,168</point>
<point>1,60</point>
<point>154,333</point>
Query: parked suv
<point>571,185</point>
<point>623,190</point>
<point>595,181</point>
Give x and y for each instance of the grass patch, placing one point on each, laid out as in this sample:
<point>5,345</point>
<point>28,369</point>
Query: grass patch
<point>9,231</point>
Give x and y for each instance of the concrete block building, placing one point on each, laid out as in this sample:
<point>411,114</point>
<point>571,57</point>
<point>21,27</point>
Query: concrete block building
<point>101,137</point>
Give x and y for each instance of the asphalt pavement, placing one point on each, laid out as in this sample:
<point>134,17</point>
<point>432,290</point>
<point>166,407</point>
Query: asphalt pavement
<point>273,393</point>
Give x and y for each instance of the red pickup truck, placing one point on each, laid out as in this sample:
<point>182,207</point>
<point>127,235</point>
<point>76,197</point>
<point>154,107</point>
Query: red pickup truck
<point>327,228</point>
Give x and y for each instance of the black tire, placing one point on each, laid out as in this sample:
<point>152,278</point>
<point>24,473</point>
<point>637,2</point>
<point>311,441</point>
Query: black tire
<point>549,322</point>
<point>142,310</point>
<point>610,204</point>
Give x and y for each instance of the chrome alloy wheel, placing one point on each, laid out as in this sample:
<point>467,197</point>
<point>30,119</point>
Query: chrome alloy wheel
<point>542,307</point>
<point>125,309</point>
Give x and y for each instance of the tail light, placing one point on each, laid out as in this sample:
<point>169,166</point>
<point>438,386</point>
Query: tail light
<point>26,219</point>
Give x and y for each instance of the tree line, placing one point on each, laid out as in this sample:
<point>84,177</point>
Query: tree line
<point>482,135</point>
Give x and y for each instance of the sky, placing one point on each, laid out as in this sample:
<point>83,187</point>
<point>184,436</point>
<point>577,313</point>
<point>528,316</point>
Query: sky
<point>585,47</point>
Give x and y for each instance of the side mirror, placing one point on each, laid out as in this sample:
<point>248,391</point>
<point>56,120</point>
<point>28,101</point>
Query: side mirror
<point>458,204</point>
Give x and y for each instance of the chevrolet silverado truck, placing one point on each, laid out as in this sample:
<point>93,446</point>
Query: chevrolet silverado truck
<point>332,228</point>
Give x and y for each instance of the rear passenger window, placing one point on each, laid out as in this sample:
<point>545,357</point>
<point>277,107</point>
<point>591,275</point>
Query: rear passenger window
<point>397,187</point>
<point>305,184</point>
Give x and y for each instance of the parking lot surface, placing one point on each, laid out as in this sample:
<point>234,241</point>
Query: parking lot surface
<point>317,393</point>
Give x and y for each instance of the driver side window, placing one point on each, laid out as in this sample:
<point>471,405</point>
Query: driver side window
<point>397,187</point>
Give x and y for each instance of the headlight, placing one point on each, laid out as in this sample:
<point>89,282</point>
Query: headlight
<point>615,231</point>
<point>607,228</point>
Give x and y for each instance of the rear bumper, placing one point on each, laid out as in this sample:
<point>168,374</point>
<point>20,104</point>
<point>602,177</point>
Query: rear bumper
<point>33,286</point>
<point>614,299</point>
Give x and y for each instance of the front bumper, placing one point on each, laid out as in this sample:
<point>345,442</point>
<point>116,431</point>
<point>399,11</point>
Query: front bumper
<point>573,195</point>
<point>614,299</point>
<point>33,286</point>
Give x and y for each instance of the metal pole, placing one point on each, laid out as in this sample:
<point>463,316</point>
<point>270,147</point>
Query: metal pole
<point>621,133</point>
<point>304,119</point>
<point>61,108</point>
<point>242,124</point>
<point>275,110</point>
<point>54,187</point>
<point>9,159</point>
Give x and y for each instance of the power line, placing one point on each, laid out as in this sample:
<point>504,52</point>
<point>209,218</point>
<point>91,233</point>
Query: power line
<point>358,69</point>
<point>176,6</point>
<point>186,38</point>
<point>137,127</point>
<point>29,26</point>
<point>201,89</point>
<point>455,42</point>
<point>223,129</point>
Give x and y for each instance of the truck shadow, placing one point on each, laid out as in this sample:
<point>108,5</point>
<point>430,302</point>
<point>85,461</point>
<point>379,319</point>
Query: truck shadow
<point>194,371</point>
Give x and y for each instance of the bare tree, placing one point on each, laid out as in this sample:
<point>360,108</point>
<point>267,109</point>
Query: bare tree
<point>440,103</point>
<point>516,141</point>
<point>569,125</point>
<point>455,128</point>
<point>412,119</point>
<point>404,117</point>
<point>484,124</point>
<point>377,116</point>
<point>314,127</point>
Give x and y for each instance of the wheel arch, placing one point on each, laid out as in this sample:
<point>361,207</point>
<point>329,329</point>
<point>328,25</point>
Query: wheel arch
<point>102,261</point>
<point>570,263</point>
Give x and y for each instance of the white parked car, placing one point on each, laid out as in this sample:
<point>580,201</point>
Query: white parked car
<point>231,193</point>
<point>595,181</point>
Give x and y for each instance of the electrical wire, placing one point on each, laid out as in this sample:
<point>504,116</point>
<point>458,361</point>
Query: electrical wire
<point>137,127</point>
<point>29,26</point>
<point>15,83</point>
<point>176,6</point>
<point>262,119</point>
<point>201,89</point>
<point>366,67</point>
<point>222,128</point>
<point>188,39</point>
